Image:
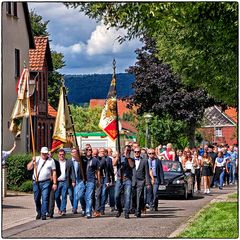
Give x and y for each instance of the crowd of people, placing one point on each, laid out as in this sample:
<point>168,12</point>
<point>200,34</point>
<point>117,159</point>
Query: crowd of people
<point>128,182</point>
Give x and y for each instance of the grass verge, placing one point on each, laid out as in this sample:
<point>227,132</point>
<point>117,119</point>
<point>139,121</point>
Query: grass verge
<point>218,220</point>
<point>234,195</point>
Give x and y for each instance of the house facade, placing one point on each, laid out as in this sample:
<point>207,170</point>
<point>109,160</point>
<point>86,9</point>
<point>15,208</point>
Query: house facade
<point>40,65</point>
<point>17,39</point>
<point>219,126</point>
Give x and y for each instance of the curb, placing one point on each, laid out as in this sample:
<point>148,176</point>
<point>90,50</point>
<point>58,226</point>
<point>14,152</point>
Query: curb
<point>221,198</point>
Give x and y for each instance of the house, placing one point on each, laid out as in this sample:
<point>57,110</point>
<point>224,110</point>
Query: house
<point>219,126</point>
<point>40,64</point>
<point>17,39</point>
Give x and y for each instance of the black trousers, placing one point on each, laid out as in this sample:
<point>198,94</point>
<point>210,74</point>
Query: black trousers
<point>51,204</point>
<point>140,196</point>
<point>198,178</point>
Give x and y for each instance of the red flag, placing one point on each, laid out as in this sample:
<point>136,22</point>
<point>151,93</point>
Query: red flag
<point>108,120</point>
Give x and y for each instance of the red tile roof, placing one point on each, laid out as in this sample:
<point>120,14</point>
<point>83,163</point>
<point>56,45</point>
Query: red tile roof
<point>128,126</point>
<point>38,56</point>
<point>51,111</point>
<point>232,113</point>
<point>122,105</point>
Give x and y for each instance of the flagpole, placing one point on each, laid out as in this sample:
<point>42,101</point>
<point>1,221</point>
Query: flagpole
<point>80,160</point>
<point>118,133</point>
<point>31,130</point>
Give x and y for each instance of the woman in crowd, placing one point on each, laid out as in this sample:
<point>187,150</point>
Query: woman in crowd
<point>197,158</point>
<point>189,163</point>
<point>219,169</point>
<point>206,164</point>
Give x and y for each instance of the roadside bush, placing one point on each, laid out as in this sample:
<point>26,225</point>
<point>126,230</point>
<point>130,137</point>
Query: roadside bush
<point>26,186</point>
<point>17,172</point>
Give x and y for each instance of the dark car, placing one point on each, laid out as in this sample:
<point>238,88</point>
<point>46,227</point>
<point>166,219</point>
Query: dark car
<point>176,181</point>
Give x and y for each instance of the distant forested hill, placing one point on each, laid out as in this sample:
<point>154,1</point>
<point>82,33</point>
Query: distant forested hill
<point>82,88</point>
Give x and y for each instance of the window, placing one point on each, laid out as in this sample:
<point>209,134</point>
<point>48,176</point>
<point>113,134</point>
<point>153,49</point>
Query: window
<point>9,8</point>
<point>17,63</point>
<point>15,9</point>
<point>218,132</point>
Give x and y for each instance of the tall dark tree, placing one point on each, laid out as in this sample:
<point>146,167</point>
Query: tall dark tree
<point>39,28</point>
<point>159,91</point>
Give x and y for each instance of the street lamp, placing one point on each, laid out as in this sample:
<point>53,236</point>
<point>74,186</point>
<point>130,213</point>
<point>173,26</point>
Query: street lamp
<point>147,117</point>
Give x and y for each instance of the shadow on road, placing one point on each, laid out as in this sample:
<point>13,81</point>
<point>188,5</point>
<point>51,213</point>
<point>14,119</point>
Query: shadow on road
<point>11,206</point>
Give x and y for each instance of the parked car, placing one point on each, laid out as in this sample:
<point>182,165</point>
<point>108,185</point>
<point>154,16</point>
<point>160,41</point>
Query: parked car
<point>176,181</point>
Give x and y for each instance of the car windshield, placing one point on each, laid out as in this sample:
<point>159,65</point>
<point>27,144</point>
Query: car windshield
<point>171,166</point>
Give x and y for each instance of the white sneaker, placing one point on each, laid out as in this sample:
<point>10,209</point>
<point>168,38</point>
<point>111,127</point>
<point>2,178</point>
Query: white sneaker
<point>208,191</point>
<point>205,191</point>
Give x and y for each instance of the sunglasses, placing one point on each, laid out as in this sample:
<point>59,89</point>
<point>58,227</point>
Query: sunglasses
<point>150,153</point>
<point>137,151</point>
<point>88,149</point>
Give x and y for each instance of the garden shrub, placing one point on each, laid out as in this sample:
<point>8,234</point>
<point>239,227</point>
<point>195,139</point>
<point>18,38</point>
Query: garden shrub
<point>26,186</point>
<point>17,172</point>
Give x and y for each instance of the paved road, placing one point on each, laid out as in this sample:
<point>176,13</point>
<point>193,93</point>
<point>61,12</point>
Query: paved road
<point>172,214</point>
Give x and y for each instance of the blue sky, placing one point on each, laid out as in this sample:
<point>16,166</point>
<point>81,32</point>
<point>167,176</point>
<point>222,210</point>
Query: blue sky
<point>88,47</point>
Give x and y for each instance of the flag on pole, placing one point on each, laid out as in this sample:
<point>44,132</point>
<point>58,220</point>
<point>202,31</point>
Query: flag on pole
<point>21,108</point>
<point>63,129</point>
<point>109,116</point>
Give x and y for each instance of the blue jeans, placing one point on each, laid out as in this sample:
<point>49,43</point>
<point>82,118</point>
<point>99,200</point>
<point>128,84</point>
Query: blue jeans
<point>90,186</point>
<point>41,190</point>
<point>79,194</point>
<point>71,195</point>
<point>126,185</point>
<point>61,192</point>
<point>220,180</point>
<point>153,198</point>
<point>232,172</point>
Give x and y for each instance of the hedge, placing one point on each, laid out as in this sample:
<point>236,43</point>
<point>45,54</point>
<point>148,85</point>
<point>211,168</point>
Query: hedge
<point>17,173</point>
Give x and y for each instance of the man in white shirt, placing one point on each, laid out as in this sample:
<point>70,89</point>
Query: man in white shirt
<point>45,171</point>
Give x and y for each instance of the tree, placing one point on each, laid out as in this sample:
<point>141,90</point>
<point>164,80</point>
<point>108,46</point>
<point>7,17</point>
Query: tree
<point>198,39</point>
<point>39,28</point>
<point>161,92</point>
<point>86,119</point>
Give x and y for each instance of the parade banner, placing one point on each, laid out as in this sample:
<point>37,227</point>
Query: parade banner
<point>21,107</point>
<point>108,121</point>
<point>63,129</point>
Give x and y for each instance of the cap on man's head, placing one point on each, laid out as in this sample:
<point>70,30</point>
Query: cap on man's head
<point>44,150</point>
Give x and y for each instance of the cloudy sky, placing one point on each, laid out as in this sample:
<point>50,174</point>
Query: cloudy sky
<point>88,47</point>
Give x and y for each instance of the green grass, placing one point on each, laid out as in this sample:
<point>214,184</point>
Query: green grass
<point>234,195</point>
<point>219,220</point>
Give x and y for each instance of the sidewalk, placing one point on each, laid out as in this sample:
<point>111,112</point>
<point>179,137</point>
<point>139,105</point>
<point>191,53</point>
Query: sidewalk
<point>19,208</point>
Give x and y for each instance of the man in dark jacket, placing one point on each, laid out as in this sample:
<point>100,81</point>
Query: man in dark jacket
<point>157,177</point>
<point>139,180</point>
<point>104,182</point>
<point>124,181</point>
<point>66,179</point>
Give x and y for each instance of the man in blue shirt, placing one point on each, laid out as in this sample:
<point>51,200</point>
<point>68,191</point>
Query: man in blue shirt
<point>156,174</point>
<point>91,172</point>
<point>124,181</point>
<point>233,164</point>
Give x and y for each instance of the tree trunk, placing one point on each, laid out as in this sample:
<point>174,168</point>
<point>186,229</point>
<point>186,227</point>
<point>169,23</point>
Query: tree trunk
<point>191,134</point>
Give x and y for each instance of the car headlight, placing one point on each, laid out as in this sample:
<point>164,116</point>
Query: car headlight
<point>178,181</point>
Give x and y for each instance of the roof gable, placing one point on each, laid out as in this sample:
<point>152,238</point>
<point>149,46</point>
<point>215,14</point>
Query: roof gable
<point>214,117</point>
<point>38,56</point>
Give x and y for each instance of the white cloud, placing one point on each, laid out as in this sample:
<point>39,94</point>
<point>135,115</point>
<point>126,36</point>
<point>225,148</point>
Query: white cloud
<point>72,49</point>
<point>104,41</point>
